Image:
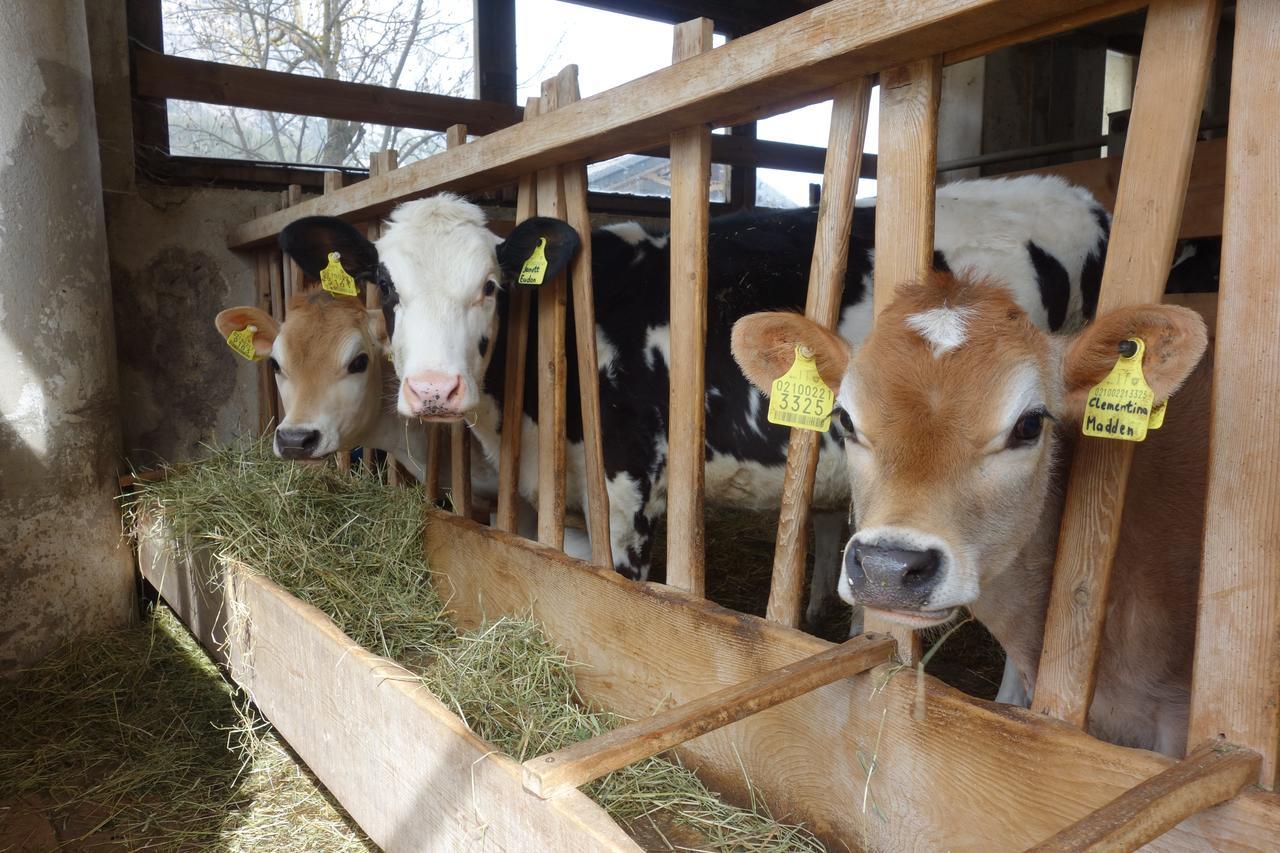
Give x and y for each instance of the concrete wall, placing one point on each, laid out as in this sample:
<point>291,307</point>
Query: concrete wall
<point>64,569</point>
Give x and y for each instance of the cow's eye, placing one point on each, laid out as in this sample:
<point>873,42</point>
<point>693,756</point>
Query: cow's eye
<point>1027,429</point>
<point>489,287</point>
<point>275,365</point>
<point>359,364</point>
<point>846,424</point>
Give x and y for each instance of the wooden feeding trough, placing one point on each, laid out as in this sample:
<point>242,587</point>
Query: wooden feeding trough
<point>855,754</point>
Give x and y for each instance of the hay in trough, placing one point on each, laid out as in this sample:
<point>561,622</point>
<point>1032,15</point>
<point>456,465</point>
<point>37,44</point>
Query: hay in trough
<point>352,547</point>
<point>132,740</point>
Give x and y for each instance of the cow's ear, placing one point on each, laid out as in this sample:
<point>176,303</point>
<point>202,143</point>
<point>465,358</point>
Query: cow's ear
<point>310,240</point>
<point>522,245</point>
<point>764,345</point>
<point>1174,339</point>
<point>237,319</point>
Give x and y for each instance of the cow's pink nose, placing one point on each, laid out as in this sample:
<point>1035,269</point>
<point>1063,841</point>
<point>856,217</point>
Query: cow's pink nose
<point>434,393</point>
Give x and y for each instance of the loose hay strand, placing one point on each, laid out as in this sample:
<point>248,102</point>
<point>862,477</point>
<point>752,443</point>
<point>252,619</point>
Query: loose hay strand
<point>352,547</point>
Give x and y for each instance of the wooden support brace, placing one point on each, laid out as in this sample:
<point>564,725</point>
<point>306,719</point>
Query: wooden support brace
<point>517,349</point>
<point>1212,774</point>
<point>1176,52</point>
<point>584,325</point>
<point>556,772</point>
<point>904,211</point>
<point>459,433</point>
<point>1236,679</point>
<point>552,364</point>
<point>686,422</point>
<point>826,288</point>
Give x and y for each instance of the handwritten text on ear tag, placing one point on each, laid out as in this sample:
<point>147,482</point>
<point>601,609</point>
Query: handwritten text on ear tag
<point>337,280</point>
<point>799,398</point>
<point>535,268</point>
<point>1120,405</point>
<point>242,342</point>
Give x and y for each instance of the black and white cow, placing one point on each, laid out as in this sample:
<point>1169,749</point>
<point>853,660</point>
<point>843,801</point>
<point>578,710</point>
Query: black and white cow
<point>445,279</point>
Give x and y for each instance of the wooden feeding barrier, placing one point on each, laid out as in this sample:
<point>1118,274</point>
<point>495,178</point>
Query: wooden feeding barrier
<point>645,646</point>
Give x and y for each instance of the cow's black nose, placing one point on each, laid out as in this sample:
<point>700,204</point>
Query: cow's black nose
<point>892,577</point>
<point>297,443</point>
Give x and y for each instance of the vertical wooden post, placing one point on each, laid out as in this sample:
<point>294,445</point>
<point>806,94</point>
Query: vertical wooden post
<point>294,280</point>
<point>826,288</point>
<point>268,403</point>
<point>1177,49</point>
<point>686,426</point>
<point>1236,682</point>
<point>552,366</point>
<point>584,324</point>
<point>904,211</point>
<point>517,348</point>
<point>333,181</point>
<point>460,434</point>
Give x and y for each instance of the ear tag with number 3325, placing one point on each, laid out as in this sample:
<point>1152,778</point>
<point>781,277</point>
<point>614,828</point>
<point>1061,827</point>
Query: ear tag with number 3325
<point>799,398</point>
<point>535,267</point>
<point>242,342</point>
<point>337,280</point>
<point>1120,406</point>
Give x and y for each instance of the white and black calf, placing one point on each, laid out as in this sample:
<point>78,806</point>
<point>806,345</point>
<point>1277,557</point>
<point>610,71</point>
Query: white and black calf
<point>445,280</point>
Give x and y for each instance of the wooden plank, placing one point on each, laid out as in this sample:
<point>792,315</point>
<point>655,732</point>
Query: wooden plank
<point>517,348</point>
<point>494,40</point>
<point>294,279</point>
<point>909,96</point>
<point>584,325</point>
<point>1210,775</point>
<point>686,421</point>
<point>552,363</point>
<point>1177,48</point>
<point>435,455</point>
<point>1044,29</point>
<point>162,76</point>
<point>997,777</point>
<point>459,433</point>
<point>403,766</point>
<point>1236,679</point>
<point>333,181</point>
<point>268,402</point>
<point>826,288</point>
<point>586,761</point>
<point>795,61</point>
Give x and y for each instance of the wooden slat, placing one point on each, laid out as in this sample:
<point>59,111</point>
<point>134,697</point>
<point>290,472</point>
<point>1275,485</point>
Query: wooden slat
<point>552,363</point>
<point>268,400</point>
<point>1211,774</point>
<point>826,288</point>
<point>380,163</point>
<point>293,279</point>
<point>584,325</point>
<point>797,60</point>
<point>517,347</point>
<point>1177,48</point>
<point>686,421</point>
<point>1236,679</point>
<point>459,433</point>
<point>909,97</point>
<point>333,181</point>
<point>585,761</point>
<point>971,776</point>
<point>436,437</point>
<point>1044,29</point>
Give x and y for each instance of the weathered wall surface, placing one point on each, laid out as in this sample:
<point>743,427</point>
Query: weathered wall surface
<point>64,569</point>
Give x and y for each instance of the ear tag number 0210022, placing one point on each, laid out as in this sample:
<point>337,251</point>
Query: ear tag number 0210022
<point>535,267</point>
<point>1120,406</point>
<point>799,398</point>
<point>242,342</point>
<point>337,280</point>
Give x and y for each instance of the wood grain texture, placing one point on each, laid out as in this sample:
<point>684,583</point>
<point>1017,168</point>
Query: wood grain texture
<point>333,181</point>
<point>794,62</point>
<point>1236,680</point>
<point>585,761</point>
<point>403,766</point>
<point>268,399</point>
<point>686,421</point>
<point>995,777</point>
<point>295,281</point>
<point>552,362</point>
<point>909,96</point>
<point>845,142</point>
<point>584,324</point>
<point>436,438</point>
<point>1176,55</point>
<point>517,350</point>
<point>1211,774</point>
<point>459,433</point>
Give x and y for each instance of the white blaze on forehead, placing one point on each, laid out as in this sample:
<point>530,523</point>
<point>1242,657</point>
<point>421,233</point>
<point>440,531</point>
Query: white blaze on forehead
<point>944,328</point>
<point>438,245</point>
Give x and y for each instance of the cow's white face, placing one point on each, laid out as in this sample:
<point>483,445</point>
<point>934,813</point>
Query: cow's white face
<point>945,410</point>
<point>328,360</point>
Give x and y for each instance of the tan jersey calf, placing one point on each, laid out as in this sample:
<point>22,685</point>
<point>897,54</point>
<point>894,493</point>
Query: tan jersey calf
<point>957,483</point>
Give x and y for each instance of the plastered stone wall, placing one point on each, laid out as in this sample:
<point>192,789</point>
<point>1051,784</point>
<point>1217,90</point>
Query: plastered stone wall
<point>64,568</point>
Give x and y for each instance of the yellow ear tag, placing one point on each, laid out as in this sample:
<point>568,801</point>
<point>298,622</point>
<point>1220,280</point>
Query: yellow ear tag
<point>535,268</point>
<point>1120,405</point>
<point>242,343</point>
<point>1157,415</point>
<point>799,398</point>
<point>337,280</point>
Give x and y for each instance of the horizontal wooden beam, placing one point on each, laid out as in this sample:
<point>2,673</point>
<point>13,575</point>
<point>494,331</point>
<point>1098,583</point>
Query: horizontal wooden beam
<point>796,61</point>
<point>1212,774</point>
<point>556,772</point>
